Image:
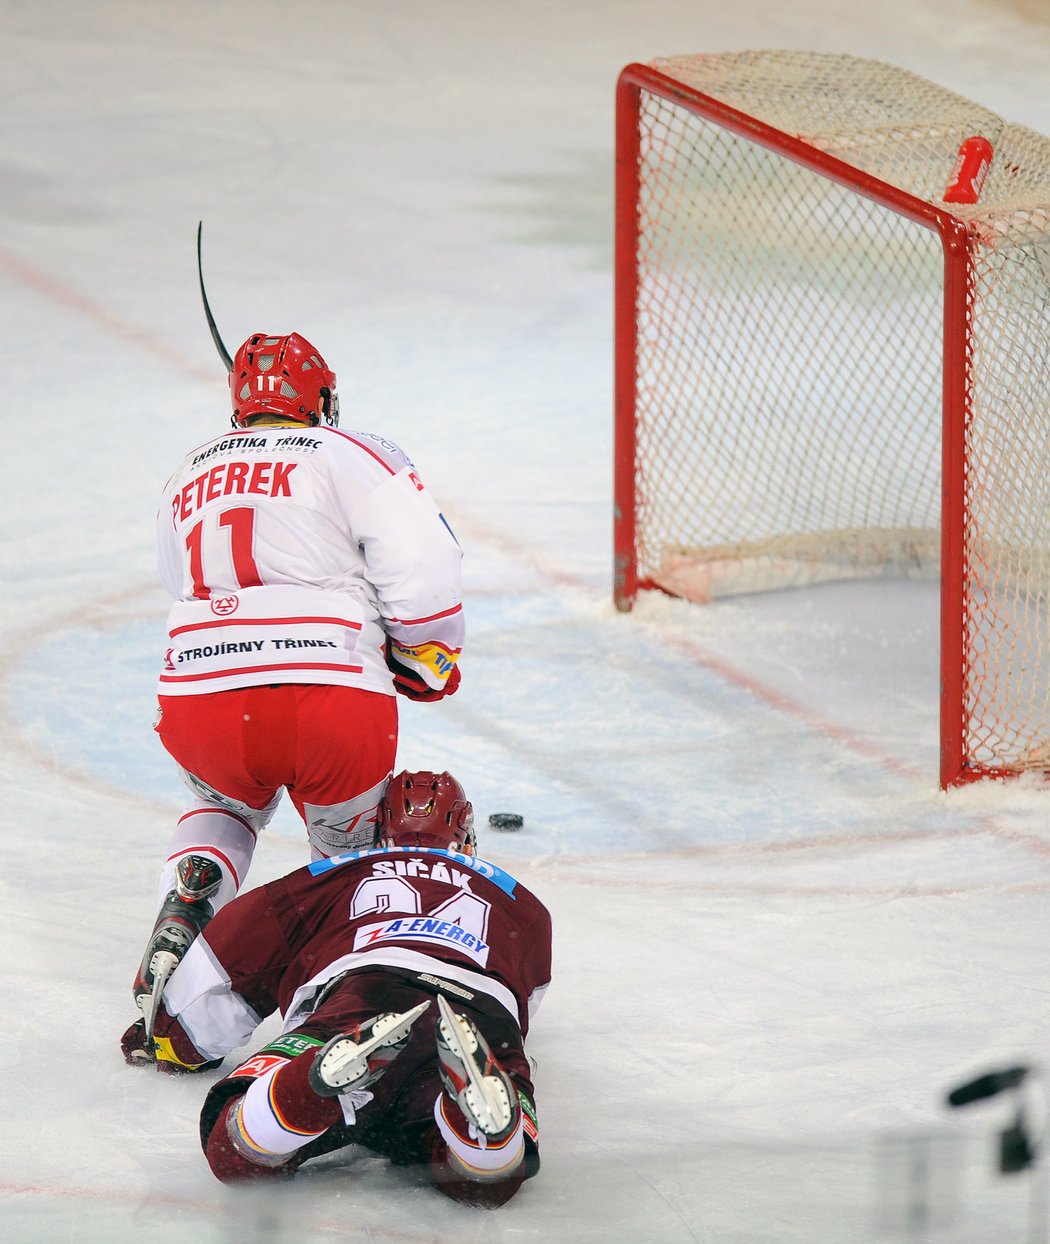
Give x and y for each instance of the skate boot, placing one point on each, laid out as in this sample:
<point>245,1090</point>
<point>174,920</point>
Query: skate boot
<point>182,916</point>
<point>356,1059</point>
<point>473,1078</point>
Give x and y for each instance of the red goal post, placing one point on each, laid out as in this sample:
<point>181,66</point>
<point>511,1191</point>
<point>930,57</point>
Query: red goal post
<point>824,371</point>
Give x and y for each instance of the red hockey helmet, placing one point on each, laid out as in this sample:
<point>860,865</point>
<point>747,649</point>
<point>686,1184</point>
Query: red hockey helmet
<point>426,810</point>
<point>274,375</point>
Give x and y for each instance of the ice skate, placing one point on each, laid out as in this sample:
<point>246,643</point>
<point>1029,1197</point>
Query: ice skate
<point>356,1059</point>
<point>473,1077</point>
<point>182,916</point>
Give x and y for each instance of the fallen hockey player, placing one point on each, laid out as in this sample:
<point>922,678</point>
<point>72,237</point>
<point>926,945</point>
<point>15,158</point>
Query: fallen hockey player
<point>406,976</point>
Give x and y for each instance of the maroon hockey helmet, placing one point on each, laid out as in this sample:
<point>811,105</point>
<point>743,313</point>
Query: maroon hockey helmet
<point>282,375</point>
<point>426,810</point>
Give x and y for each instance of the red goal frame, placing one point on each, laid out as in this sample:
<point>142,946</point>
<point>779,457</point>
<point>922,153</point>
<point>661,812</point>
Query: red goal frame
<point>957,248</point>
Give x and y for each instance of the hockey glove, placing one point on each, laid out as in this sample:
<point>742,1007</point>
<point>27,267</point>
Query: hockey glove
<point>136,1047</point>
<point>141,1051</point>
<point>408,683</point>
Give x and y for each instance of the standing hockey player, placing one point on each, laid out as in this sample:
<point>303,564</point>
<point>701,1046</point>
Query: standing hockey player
<point>313,578</point>
<point>406,976</point>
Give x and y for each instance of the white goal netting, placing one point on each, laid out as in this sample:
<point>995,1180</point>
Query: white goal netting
<point>791,342</point>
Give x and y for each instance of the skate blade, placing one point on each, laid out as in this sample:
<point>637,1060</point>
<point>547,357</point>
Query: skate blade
<point>484,1098</point>
<point>349,1062</point>
<point>162,965</point>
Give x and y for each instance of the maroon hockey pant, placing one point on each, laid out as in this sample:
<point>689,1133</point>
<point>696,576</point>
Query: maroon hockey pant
<point>399,1122</point>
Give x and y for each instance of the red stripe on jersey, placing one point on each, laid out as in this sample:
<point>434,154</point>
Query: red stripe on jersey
<point>448,613</point>
<point>353,441</point>
<point>264,669</point>
<point>304,621</point>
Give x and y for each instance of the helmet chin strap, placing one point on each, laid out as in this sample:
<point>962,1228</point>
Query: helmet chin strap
<point>261,421</point>
<point>273,420</point>
<point>453,847</point>
<point>264,419</point>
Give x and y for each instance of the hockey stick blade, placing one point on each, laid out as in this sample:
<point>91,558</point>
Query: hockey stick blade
<point>484,1099</point>
<point>347,1061</point>
<point>161,965</point>
<point>224,354</point>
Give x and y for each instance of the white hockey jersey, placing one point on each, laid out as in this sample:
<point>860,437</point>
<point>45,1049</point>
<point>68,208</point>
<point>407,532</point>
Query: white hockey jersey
<point>293,554</point>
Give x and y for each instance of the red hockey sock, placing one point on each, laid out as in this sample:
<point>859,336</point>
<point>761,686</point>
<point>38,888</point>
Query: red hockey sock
<point>295,1104</point>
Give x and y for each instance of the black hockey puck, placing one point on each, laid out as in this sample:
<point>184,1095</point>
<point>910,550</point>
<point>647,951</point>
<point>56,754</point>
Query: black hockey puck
<point>506,820</point>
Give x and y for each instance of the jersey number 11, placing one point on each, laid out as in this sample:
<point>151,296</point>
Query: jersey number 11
<point>240,522</point>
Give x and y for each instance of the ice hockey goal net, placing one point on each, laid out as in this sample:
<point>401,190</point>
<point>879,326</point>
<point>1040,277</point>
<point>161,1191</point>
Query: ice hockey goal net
<point>825,371</point>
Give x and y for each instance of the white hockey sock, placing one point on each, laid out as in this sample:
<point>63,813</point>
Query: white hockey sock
<point>257,1129</point>
<point>221,836</point>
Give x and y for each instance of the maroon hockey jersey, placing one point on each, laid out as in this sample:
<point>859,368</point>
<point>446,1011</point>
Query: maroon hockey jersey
<point>452,921</point>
